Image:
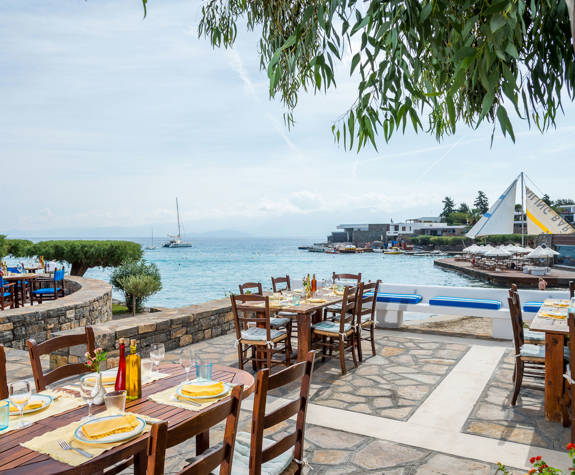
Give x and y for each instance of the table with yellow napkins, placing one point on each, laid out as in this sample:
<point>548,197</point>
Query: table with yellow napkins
<point>198,394</point>
<point>552,308</point>
<point>61,402</point>
<point>48,443</point>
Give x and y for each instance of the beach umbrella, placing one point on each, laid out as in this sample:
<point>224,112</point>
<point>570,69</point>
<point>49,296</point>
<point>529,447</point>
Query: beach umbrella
<point>537,253</point>
<point>551,252</point>
<point>497,252</point>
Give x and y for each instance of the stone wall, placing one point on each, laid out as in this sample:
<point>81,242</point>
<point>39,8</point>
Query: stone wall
<point>174,328</point>
<point>88,302</point>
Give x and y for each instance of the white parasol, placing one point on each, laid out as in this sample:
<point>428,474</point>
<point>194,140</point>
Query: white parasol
<point>497,252</point>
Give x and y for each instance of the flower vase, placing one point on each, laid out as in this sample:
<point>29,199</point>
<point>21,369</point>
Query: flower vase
<point>99,390</point>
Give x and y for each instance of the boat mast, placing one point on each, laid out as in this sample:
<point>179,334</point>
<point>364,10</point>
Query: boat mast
<point>178,213</point>
<point>522,210</point>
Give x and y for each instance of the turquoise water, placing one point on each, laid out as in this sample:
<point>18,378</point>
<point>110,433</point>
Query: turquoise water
<point>215,267</point>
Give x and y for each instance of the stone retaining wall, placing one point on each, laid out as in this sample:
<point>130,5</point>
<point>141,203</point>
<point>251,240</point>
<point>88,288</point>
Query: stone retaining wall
<point>89,302</point>
<point>174,328</point>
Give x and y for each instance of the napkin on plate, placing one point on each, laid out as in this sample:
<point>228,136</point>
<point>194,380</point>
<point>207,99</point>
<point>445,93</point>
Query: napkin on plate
<point>28,407</point>
<point>195,390</point>
<point>100,429</point>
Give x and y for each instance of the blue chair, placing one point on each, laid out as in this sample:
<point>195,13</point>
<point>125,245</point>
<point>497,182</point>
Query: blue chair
<point>47,289</point>
<point>6,293</point>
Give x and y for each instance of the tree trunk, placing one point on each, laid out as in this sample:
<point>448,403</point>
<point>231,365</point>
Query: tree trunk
<point>78,269</point>
<point>134,305</point>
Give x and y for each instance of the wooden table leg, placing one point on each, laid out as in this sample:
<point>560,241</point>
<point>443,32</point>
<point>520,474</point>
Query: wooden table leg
<point>303,336</point>
<point>140,463</point>
<point>554,346</point>
<point>202,442</point>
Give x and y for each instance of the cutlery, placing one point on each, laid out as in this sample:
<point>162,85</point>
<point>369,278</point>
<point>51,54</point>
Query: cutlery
<point>186,401</point>
<point>66,446</point>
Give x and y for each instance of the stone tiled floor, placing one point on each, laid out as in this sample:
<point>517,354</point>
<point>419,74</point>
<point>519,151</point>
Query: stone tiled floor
<point>493,416</point>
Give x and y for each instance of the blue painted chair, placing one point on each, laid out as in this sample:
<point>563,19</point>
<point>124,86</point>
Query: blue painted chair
<point>47,289</point>
<point>6,293</point>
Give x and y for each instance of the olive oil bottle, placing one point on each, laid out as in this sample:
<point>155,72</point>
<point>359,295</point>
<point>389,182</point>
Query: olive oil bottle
<point>133,374</point>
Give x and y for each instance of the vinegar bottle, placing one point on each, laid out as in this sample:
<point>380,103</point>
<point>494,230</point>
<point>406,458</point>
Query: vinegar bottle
<point>133,374</point>
<point>313,285</point>
<point>121,376</point>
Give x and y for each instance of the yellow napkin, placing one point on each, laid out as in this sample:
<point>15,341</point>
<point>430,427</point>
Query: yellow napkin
<point>337,292</point>
<point>29,406</point>
<point>315,300</point>
<point>553,315</point>
<point>557,303</point>
<point>195,390</point>
<point>100,429</point>
<point>105,380</point>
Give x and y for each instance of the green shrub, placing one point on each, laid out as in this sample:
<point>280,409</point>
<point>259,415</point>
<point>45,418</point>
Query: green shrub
<point>19,247</point>
<point>120,280</point>
<point>2,246</point>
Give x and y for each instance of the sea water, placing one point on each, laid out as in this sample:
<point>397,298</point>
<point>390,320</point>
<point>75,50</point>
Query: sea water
<point>213,268</point>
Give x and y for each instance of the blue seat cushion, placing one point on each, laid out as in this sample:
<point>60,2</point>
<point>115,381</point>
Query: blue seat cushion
<point>7,294</point>
<point>330,327</point>
<point>533,336</point>
<point>46,291</point>
<point>532,306</point>
<point>396,298</point>
<point>485,304</point>
<point>278,322</point>
<point>538,351</point>
<point>259,334</point>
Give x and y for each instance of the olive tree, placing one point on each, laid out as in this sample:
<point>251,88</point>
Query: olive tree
<point>428,63</point>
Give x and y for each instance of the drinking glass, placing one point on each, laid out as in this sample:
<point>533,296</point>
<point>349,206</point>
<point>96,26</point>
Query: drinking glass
<point>20,393</point>
<point>157,354</point>
<point>116,402</point>
<point>296,299</point>
<point>4,414</point>
<point>187,360</point>
<point>89,390</point>
<point>147,365</point>
<point>204,371</point>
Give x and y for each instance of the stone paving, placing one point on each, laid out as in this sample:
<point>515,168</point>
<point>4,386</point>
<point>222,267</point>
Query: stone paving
<point>493,416</point>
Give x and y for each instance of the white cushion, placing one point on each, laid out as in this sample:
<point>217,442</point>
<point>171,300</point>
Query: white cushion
<point>241,462</point>
<point>259,334</point>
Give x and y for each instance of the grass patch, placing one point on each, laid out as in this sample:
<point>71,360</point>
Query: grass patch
<point>118,309</point>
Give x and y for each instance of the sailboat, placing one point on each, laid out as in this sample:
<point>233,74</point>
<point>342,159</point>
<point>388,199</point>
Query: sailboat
<point>151,247</point>
<point>176,240</point>
<point>541,218</point>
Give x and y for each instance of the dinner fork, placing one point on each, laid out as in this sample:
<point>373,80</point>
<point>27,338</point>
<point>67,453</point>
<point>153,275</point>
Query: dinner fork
<point>66,446</point>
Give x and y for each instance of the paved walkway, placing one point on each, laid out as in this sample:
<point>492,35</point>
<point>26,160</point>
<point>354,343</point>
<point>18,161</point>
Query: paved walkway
<point>424,404</point>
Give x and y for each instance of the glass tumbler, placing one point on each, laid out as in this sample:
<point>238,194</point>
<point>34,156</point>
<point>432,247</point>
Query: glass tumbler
<point>204,371</point>
<point>4,414</point>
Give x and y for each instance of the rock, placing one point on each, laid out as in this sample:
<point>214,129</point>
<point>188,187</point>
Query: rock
<point>380,454</point>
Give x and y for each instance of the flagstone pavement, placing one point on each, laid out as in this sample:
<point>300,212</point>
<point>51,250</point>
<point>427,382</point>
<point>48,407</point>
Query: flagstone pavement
<point>423,404</point>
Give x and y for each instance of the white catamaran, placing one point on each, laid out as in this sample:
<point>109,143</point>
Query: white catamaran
<point>176,240</point>
<point>541,218</point>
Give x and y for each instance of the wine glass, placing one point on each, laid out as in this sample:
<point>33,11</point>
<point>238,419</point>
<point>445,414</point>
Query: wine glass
<point>20,393</point>
<point>187,360</point>
<point>89,389</point>
<point>157,354</point>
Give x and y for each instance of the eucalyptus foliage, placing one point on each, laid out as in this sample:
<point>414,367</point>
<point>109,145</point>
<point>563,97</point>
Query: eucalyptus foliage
<point>426,63</point>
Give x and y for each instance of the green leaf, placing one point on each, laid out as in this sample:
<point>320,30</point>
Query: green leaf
<point>426,11</point>
<point>511,50</point>
<point>354,62</point>
<point>504,122</point>
<point>497,22</point>
<point>464,52</point>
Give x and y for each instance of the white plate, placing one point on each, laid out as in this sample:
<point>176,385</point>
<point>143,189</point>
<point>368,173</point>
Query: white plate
<point>227,388</point>
<point>110,439</point>
<point>108,373</point>
<point>44,398</point>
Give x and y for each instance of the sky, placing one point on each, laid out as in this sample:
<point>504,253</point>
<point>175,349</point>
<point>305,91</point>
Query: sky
<point>107,117</point>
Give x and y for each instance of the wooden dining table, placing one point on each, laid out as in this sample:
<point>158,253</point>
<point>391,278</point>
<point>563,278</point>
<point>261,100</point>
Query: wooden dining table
<point>20,286</point>
<point>555,329</point>
<point>305,315</point>
<point>15,459</point>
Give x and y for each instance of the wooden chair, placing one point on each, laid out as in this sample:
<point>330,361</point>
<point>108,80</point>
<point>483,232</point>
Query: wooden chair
<point>6,293</point>
<point>47,289</point>
<point>246,289</point>
<point>36,350</point>
<point>219,455</point>
<point>281,280</point>
<point>353,279</point>
<point>572,289</point>
<point>254,332</point>
<point>365,315</point>
<point>340,334</point>
<point>267,453</point>
<point>3,375</point>
<point>568,400</point>
<point>535,338</point>
<point>529,358</point>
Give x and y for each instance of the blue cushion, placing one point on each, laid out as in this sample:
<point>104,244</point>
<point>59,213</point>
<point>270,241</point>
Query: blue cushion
<point>398,298</point>
<point>46,291</point>
<point>532,306</point>
<point>533,336</point>
<point>7,294</point>
<point>466,303</point>
<point>278,322</point>
<point>331,327</point>
<point>259,334</point>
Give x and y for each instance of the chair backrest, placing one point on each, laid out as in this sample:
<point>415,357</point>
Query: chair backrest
<point>281,280</point>
<point>572,289</point>
<point>261,421</point>
<point>59,275</point>
<point>571,324</point>
<point>348,307</point>
<point>253,288</point>
<point>3,375</point>
<point>349,277</point>
<point>516,321</point>
<point>367,300</point>
<point>219,455</point>
<point>514,291</point>
<point>251,309</point>
<point>36,350</point>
